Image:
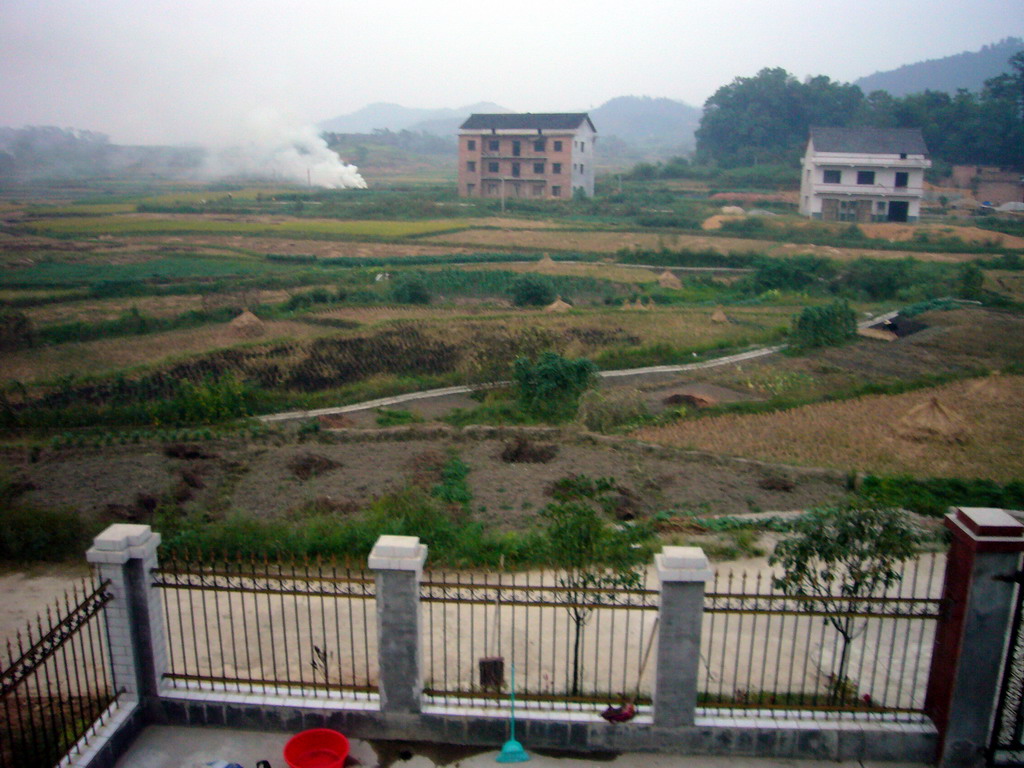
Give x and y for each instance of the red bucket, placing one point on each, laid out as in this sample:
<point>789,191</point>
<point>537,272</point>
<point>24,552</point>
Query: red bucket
<point>316,748</point>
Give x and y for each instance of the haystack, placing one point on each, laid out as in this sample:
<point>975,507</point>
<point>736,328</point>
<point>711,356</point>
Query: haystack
<point>546,263</point>
<point>558,306</point>
<point>668,280</point>
<point>247,325</point>
<point>638,304</point>
<point>732,210</point>
<point>933,421</point>
<point>718,316</point>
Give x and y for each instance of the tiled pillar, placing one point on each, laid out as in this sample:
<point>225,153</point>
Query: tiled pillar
<point>124,555</point>
<point>970,639</point>
<point>682,572</point>
<point>398,564</point>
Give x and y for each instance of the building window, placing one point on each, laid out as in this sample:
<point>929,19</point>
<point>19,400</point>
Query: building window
<point>581,167</point>
<point>515,149</point>
<point>833,177</point>
<point>583,146</point>
<point>493,145</point>
<point>539,145</point>
<point>556,167</point>
<point>471,166</point>
<point>492,188</point>
<point>865,177</point>
<point>558,146</point>
<point>515,169</point>
<point>471,145</point>
<point>556,191</point>
<point>880,206</point>
<point>492,167</point>
<point>538,190</point>
<point>903,155</point>
<point>470,189</point>
<point>538,167</point>
<point>902,177</point>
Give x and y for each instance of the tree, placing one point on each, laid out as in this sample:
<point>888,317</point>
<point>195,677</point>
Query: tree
<point>827,326</point>
<point>410,289</point>
<point>550,388</point>
<point>533,290</point>
<point>591,553</point>
<point>842,557</point>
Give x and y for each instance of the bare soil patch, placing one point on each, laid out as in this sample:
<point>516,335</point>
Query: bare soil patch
<point>350,469</point>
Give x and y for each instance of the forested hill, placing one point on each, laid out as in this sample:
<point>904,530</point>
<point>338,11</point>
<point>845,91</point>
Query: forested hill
<point>968,70</point>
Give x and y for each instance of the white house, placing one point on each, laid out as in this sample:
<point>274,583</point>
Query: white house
<point>863,174</point>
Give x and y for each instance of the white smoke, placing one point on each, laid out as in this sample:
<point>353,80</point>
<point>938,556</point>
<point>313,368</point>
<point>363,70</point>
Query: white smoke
<point>272,148</point>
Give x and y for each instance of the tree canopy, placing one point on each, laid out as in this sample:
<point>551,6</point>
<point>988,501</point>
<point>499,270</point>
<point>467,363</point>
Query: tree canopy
<point>766,118</point>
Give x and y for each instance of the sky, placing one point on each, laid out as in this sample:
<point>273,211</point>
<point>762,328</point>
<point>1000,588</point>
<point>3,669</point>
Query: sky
<point>179,71</point>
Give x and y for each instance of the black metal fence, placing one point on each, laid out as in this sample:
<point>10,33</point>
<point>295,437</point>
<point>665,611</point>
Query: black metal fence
<point>55,685</point>
<point>762,649</point>
<point>571,646</point>
<point>261,627</point>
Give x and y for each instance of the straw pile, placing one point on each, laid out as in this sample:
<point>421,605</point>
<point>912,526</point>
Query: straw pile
<point>932,421</point>
<point>558,306</point>
<point>247,325</point>
<point>718,316</point>
<point>877,333</point>
<point>546,264</point>
<point>668,280</point>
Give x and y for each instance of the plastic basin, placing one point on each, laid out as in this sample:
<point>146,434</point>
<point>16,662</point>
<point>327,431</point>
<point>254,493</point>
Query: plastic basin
<point>316,748</point>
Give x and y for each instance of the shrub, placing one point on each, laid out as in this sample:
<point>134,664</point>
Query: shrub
<point>827,326</point>
<point>550,388</point>
<point>533,290</point>
<point>410,289</point>
<point>606,410</point>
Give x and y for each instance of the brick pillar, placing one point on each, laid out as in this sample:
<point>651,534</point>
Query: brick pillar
<point>682,572</point>
<point>971,636</point>
<point>398,563</point>
<point>125,554</point>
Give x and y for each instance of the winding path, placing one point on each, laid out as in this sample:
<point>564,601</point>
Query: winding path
<point>464,390</point>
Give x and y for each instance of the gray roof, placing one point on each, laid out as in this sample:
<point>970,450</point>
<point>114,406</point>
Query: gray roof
<point>527,121</point>
<point>870,141</point>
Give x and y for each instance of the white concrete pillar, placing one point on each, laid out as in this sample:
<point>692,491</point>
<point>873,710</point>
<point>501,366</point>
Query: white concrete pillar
<point>398,565</point>
<point>125,555</point>
<point>683,572</point>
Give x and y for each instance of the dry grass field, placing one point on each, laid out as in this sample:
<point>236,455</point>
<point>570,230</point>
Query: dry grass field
<point>107,356</point>
<point>613,272</point>
<point>874,434</point>
<point>611,242</point>
<point>96,310</point>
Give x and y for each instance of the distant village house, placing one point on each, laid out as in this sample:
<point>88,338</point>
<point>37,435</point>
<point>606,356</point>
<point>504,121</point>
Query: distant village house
<point>539,156</point>
<point>863,174</point>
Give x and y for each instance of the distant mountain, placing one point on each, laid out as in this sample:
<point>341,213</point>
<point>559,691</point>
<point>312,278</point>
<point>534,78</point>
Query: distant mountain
<point>394,117</point>
<point>648,122</point>
<point>969,70</point>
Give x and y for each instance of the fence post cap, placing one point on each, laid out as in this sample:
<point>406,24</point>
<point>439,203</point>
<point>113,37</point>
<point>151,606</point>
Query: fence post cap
<point>398,553</point>
<point>986,529</point>
<point>122,536</point>
<point>682,564</point>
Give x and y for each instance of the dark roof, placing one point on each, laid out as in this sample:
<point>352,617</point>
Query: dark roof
<point>527,121</point>
<point>870,141</point>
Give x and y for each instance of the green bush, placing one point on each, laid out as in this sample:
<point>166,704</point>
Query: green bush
<point>550,388</point>
<point>608,410</point>
<point>827,326</point>
<point>410,289</point>
<point>533,290</point>
<point>30,533</point>
<point>934,496</point>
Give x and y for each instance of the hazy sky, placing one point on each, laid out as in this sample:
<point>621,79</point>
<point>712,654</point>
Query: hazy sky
<point>154,71</point>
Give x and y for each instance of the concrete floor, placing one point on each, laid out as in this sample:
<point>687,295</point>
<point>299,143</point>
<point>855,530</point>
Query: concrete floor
<point>176,747</point>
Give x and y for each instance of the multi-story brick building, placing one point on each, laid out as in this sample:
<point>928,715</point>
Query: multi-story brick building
<point>547,156</point>
<point>863,174</point>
